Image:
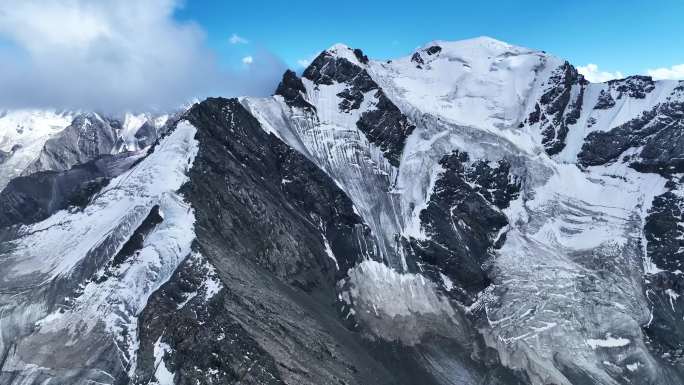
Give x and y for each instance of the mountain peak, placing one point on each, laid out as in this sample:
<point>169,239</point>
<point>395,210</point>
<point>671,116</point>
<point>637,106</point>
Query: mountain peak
<point>338,47</point>
<point>482,45</point>
<point>354,55</point>
<point>487,40</point>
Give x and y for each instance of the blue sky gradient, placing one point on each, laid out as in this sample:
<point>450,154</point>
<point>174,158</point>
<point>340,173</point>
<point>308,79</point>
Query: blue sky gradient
<point>628,36</point>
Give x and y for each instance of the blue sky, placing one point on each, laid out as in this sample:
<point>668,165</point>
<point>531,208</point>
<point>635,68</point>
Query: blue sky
<point>627,36</point>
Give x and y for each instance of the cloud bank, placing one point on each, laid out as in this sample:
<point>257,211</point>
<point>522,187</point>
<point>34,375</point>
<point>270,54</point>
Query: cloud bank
<point>592,73</point>
<point>676,72</point>
<point>114,56</point>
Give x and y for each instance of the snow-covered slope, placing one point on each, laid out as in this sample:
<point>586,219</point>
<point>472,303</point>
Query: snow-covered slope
<point>481,82</point>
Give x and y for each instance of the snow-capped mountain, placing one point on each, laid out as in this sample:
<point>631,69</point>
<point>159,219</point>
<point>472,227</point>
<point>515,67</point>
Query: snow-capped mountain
<point>23,134</point>
<point>473,213</point>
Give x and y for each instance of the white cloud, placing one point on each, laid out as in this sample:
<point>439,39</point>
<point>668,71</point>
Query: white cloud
<point>303,63</point>
<point>591,73</point>
<point>237,39</point>
<point>675,72</point>
<point>247,60</point>
<point>114,56</point>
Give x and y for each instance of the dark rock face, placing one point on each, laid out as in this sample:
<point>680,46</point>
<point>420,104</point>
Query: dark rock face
<point>556,109</point>
<point>136,241</point>
<point>664,230</point>
<point>430,51</point>
<point>132,246</point>
<point>462,221</point>
<point>264,215</point>
<point>435,49</point>
<point>288,181</point>
<point>603,147</point>
<point>88,137</point>
<point>207,344</point>
<point>416,58</point>
<point>659,131</point>
<point>147,135</point>
<point>351,99</point>
<point>666,148</point>
<point>360,56</point>
<point>385,125</point>
<point>494,182</point>
<point>292,90</point>
<point>329,69</point>
<point>605,101</point>
<point>29,199</point>
<point>634,86</point>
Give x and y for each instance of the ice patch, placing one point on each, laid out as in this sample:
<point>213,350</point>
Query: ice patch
<point>394,293</point>
<point>213,284</point>
<point>448,284</point>
<point>162,374</point>
<point>329,252</point>
<point>608,342</point>
<point>673,296</point>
